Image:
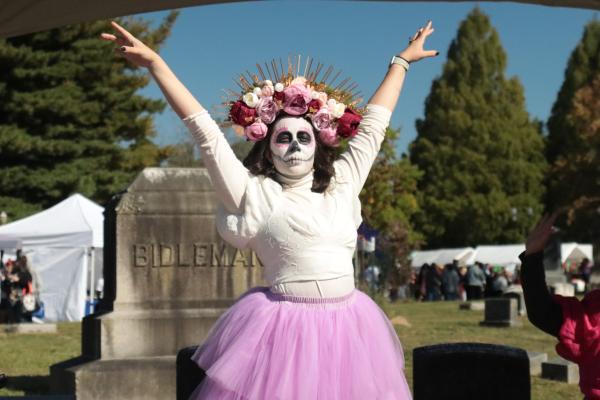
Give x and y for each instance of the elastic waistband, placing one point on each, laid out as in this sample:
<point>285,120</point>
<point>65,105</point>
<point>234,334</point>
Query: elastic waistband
<point>346,299</point>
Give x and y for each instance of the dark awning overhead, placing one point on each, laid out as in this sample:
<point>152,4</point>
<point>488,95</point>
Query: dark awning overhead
<point>18,17</point>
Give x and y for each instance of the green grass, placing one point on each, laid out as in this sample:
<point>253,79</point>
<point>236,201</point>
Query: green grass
<point>26,358</point>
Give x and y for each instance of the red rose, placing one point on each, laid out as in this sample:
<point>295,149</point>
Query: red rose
<point>278,96</point>
<point>314,105</point>
<point>241,114</point>
<point>348,123</point>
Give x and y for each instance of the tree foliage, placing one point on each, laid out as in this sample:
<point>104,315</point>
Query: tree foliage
<point>481,154</point>
<point>389,203</point>
<point>577,171</point>
<point>71,119</point>
<point>573,144</point>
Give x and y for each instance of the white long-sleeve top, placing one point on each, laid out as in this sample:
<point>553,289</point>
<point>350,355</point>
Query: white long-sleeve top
<point>305,240</point>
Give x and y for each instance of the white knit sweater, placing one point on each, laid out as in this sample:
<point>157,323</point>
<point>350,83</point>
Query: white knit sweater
<point>305,240</point>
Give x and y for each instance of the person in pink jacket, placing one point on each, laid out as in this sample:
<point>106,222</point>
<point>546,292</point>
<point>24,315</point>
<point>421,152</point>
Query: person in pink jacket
<point>575,323</point>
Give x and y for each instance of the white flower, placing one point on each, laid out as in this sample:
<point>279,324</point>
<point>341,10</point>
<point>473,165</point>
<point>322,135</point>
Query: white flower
<point>251,99</point>
<point>331,104</point>
<point>314,95</point>
<point>279,87</point>
<point>268,83</point>
<point>257,91</point>
<point>338,110</point>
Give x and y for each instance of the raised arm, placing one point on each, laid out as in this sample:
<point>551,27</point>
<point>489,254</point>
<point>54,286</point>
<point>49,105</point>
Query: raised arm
<point>356,162</point>
<point>542,310</point>
<point>227,173</point>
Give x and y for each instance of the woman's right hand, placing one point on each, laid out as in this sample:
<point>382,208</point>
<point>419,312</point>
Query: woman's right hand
<point>537,239</point>
<point>130,47</point>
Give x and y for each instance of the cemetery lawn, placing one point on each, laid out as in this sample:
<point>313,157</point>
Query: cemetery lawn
<point>26,358</point>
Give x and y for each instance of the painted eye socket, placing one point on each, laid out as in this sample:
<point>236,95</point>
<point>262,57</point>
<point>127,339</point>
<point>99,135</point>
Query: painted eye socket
<point>304,137</point>
<point>284,137</point>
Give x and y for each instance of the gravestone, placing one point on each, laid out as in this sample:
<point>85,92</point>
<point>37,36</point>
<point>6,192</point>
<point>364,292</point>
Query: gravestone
<point>501,312</point>
<point>516,292</point>
<point>563,289</point>
<point>168,277</point>
<point>535,362</point>
<point>559,369</point>
<point>470,371</point>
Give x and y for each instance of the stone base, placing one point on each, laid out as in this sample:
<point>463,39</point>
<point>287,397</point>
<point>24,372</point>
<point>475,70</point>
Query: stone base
<point>472,305</point>
<point>29,327</point>
<point>535,362</point>
<point>559,369</point>
<point>137,378</point>
<point>145,333</point>
<point>502,324</point>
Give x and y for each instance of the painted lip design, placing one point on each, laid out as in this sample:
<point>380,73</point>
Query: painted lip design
<point>295,160</point>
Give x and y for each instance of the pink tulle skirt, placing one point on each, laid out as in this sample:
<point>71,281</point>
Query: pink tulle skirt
<point>281,347</point>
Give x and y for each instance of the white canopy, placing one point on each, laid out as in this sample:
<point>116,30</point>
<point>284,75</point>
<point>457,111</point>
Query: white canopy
<point>10,242</point>
<point>575,252</point>
<point>441,256</point>
<point>58,243</point>
<point>501,255</point>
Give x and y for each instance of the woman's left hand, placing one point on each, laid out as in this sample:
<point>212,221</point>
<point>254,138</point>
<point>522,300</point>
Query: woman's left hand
<point>415,51</point>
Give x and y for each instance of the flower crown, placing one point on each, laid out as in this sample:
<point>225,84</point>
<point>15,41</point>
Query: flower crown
<point>332,110</point>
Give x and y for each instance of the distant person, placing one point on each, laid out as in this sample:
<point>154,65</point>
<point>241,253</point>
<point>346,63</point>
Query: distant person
<point>420,283</point>
<point>475,281</point>
<point>575,323</point>
<point>433,283</point>
<point>499,283</point>
<point>450,282</point>
<point>585,272</point>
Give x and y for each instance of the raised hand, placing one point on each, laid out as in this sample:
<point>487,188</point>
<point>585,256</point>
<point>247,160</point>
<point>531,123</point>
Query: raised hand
<point>537,239</point>
<point>130,47</point>
<point>415,51</point>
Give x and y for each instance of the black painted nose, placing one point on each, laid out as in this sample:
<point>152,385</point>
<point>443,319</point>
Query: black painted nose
<point>294,147</point>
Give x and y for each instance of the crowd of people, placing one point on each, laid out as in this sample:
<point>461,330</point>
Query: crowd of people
<point>18,296</point>
<point>434,282</point>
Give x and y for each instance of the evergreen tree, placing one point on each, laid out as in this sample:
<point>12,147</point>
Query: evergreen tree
<point>70,118</point>
<point>578,170</point>
<point>582,67</point>
<point>388,205</point>
<point>572,138</point>
<point>481,154</point>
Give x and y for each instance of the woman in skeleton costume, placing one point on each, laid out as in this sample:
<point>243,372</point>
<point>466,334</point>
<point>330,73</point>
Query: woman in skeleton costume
<point>310,334</point>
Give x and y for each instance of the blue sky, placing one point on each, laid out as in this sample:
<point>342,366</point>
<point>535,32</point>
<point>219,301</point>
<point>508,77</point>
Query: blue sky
<point>209,45</point>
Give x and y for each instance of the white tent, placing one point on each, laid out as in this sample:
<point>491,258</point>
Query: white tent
<point>10,242</point>
<point>60,244</point>
<point>575,252</point>
<point>501,255</point>
<point>441,256</point>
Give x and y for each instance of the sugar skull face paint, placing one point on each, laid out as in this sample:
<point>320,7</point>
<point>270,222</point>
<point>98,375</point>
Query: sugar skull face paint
<point>293,147</point>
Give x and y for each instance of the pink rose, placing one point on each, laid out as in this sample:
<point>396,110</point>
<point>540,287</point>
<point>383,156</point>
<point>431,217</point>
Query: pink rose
<point>329,137</point>
<point>322,119</point>
<point>267,91</point>
<point>256,131</point>
<point>296,99</point>
<point>348,123</point>
<point>267,109</point>
<point>241,114</point>
<point>314,105</point>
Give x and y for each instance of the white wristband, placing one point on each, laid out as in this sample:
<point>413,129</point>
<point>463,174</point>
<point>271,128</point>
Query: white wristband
<point>400,61</point>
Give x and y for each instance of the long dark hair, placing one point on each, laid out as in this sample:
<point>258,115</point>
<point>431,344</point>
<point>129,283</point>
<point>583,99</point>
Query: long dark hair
<point>259,160</point>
